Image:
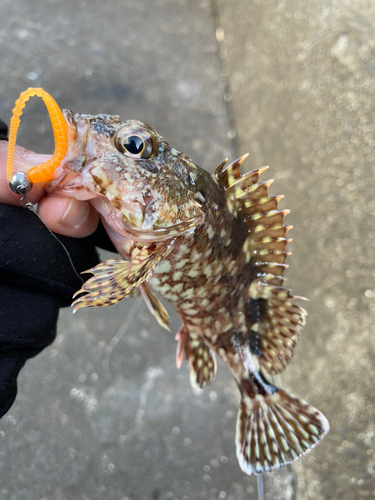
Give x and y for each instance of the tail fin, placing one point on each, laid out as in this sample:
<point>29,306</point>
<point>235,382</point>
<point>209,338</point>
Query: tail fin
<point>274,430</point>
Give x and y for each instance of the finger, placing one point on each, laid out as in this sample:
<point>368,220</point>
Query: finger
<point>68,216</point>
<point>23,161</point>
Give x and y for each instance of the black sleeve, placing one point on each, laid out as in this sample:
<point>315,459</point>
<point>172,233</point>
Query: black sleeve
<point>36,279</point>
<point>3,131</point>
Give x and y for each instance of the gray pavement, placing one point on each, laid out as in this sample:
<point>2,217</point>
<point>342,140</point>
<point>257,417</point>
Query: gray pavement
<point>303,93</point>
<point>103,413</point>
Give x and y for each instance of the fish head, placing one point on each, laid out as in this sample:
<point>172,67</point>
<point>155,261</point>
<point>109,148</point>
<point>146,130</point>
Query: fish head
<point>140,185</point>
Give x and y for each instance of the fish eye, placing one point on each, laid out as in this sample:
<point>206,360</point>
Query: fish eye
<point>135,142</point>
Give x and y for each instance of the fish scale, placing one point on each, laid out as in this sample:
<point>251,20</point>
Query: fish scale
<point>214,246</point>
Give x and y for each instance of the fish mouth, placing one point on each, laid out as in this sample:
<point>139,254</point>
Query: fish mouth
<point>68,181</point>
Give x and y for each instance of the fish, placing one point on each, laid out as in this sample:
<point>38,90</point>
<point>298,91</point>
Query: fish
<point>214,247</point>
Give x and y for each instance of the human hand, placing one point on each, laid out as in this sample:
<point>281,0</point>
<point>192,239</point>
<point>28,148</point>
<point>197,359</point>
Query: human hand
<point>36,276</point>
<point>66,216</point>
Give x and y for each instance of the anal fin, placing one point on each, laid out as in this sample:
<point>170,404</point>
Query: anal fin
<point>276,429</point>
<point>201,358</point>
<point>202,363</point>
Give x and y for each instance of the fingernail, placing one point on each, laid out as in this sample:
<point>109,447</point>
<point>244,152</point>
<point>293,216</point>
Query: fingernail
<point>75,215</point>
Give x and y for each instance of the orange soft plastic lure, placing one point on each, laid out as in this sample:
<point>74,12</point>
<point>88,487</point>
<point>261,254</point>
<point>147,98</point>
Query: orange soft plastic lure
<point>43,172</point>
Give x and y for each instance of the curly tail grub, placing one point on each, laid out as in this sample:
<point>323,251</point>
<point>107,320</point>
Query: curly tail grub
<point>44,171</point>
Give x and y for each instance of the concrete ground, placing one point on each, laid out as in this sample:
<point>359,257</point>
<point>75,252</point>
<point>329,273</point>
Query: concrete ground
<point>103,413</point>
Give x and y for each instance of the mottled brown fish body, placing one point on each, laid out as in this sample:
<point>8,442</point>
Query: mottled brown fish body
<point>214,246</point>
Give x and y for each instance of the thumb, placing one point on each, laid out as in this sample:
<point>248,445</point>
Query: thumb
<point>68,216</point>
<point>65,216</point>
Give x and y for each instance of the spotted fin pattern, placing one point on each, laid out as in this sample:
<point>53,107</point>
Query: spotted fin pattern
<point>201,358</point>
<point>277,322</point>
<point>278,327</point>
<point>115,279</point>
<point>274,430</point>
<point>202,362</point>
<point>266,242</point>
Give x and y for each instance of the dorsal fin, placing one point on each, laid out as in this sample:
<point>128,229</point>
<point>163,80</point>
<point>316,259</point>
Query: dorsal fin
<point>228,174</point>
<point>277,322</point>
<point>220,168</point>
<point>266,242</point>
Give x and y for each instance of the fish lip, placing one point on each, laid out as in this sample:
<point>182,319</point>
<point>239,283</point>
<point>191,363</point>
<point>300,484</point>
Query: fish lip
<point>78,157</point>
<point>79,144</point>
<point>69,184</point>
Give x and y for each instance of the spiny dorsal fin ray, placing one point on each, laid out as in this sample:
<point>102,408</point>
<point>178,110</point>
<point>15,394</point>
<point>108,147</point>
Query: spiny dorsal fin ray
<point>272,257</point>
<point>275,268</point>
<point>256,193</point>
<point>261,208</point>
<point>220,168</point>
<point>243,184</point>
<point>268,234</point>
<point>227,175</point>
<point>271,279</point>
<point>278,244</point>
<point>260,221</point>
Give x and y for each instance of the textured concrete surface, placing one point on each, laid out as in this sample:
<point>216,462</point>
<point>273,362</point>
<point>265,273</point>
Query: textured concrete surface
<point>103,413</point>
<point>303,86</point>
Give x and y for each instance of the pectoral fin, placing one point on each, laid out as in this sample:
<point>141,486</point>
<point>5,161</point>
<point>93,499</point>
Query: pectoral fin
<point>115,279</point>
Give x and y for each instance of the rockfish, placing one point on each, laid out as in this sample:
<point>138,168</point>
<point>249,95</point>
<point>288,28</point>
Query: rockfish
<point>214,246</point>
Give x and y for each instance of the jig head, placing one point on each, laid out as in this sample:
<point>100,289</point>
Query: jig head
<point>21,184</point>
